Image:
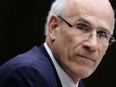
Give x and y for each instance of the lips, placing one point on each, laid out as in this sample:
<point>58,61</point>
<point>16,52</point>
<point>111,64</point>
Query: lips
<point>87,57</point>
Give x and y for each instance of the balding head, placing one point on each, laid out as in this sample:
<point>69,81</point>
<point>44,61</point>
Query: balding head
<point>101,8</point>
<point>65,7</point>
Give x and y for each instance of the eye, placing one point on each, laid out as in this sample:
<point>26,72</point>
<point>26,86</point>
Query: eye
<point>102,34</point>
<point>82,27</point>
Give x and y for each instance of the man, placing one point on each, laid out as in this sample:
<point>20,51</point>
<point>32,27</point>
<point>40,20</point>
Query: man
<point>78,33</point>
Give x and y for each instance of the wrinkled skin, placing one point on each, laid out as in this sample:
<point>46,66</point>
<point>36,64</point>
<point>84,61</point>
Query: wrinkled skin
<point>79,58</point>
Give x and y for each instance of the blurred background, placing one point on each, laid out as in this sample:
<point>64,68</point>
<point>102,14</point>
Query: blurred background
<point>22,27</point>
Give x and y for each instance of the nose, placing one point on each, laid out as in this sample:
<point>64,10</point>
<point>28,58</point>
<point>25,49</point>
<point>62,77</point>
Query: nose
<point>91,43</point>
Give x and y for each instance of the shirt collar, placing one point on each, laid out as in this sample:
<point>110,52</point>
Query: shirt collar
<point>65,80</point>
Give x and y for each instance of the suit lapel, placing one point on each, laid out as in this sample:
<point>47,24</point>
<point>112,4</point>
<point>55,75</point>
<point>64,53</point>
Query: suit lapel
<point>44,52</point>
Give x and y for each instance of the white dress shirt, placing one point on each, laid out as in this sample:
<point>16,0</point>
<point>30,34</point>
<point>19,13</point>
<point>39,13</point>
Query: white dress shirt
<point>64,78</point>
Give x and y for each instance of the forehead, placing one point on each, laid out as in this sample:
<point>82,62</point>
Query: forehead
<point>99,10</point>
<point>101,7</point>
<point>93,23</point>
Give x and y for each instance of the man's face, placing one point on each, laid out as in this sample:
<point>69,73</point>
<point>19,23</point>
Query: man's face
<point>77,56</point>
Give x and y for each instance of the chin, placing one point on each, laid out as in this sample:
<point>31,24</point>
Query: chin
<point>84,73</point>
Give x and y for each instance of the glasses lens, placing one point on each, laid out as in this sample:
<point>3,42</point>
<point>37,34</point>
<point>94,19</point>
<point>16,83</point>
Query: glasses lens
<point>106,41</point>
<point>112,40</point>
<point>101,40</point>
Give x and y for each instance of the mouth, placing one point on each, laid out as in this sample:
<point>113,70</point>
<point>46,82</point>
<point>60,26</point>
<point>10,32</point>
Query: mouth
<point>87,57</point>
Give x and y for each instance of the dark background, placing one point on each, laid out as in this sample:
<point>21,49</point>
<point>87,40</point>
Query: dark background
<point>22,27</point>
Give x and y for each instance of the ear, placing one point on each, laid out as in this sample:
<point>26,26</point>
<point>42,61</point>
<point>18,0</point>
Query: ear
<point>53,27</point>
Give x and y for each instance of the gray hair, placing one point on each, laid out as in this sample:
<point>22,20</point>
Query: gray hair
<point>57,8</point>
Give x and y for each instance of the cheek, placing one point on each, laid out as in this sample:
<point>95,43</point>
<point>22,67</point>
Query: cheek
<point>102,51</point>
<point>65,43</point>
<point>65,38</point>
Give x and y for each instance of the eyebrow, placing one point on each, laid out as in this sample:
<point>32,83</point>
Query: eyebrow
<point>83,20</point>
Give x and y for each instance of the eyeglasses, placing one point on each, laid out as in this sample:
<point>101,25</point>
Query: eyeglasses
<point>85,33</point>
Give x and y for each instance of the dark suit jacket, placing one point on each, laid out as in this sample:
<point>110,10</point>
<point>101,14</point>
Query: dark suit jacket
<point>31,69</point>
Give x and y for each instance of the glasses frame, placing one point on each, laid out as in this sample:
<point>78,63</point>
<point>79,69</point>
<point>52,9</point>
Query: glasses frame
<point>111,40</point>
